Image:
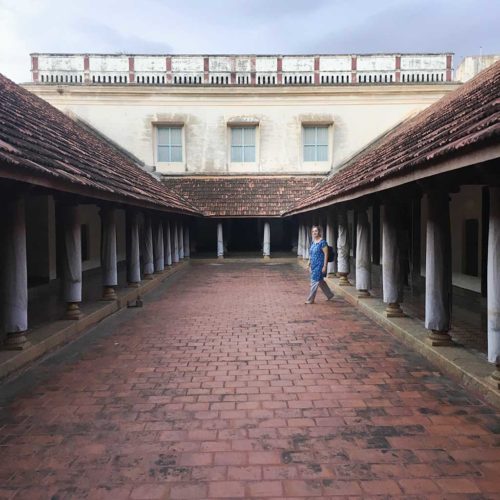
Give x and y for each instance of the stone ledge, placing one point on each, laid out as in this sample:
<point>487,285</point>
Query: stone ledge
<point>468,368</point>
<point>51,335</point>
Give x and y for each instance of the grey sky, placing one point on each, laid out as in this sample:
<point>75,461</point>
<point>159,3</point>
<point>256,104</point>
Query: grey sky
<point>244,26</point>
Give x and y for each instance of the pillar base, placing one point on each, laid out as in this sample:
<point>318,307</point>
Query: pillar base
<point>439,339</point>
<point>108,293</point>
<point>364,294</point>
<point>16,341</point>
<point>73,311</point>
<point>343,281</point>
<point>495,377</point>
<point>220,256</point>
<point>134,285</point>
<point>393,310</point>
<point>267,257</point>
<point>148,277</point>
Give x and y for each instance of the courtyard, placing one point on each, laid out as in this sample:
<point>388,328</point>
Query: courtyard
<point>225,385</point>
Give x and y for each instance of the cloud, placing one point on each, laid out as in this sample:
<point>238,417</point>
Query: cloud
<point>424,26</point>
<point>107,39</point>
<point>243,26</point>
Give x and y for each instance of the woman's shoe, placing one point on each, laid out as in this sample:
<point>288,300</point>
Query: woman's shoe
<point>309,302</point>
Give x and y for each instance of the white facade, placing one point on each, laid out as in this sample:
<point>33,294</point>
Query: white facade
<point>472,65</point>
<point>169,69</point>
<point>131,115</point>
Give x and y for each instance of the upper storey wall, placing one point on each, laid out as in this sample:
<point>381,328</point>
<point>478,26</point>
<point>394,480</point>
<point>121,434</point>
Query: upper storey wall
<point>240,69</point>
<point>131,114</point>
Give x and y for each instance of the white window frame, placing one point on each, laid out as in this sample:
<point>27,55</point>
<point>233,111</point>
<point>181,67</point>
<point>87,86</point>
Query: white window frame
<point>243,146</point>
<point>317,165</point>
<point>169,167</point>
<point>242,166</point>
<point>316,144</point>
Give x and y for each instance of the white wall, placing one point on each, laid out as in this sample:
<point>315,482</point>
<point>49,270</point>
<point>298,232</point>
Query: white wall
<point>464,205</point>
<point>128,115</point>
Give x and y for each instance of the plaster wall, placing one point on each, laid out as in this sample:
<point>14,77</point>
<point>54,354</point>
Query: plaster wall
<point>376,63</point>
<point>472,65</point>
<point>464,205</point>
<point>355,116</point>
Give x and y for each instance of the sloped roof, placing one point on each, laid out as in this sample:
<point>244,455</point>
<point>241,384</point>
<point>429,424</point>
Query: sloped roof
<point>42,145</point>
<point>465,119</point>
<point>242,195</point>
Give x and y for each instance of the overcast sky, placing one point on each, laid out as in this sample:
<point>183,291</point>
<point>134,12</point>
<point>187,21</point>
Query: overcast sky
<point>244,26</point>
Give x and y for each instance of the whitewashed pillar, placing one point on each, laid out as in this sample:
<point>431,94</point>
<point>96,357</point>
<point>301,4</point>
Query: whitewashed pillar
<point>493,283</point>
<point>391,264</point>
<point>72,262</point>
<point>307,240</point>
<point>158,248</point>
<point>303,241</point>
<point>133,250</point>
<point>187,252</point>
<point>167,244</point>
<point>220,241</point>
<point>180,234</point>
<point>15,275</point>
<point>148,258</point>
<point>330,239</point>
<point>108,253</point>
<point>343,250</point>
<point>175,237</point>
<point>438,285</point>
<point>266,247</point>
<point>363,257</point>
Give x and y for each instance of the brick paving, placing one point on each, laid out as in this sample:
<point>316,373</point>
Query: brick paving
<point>225,385</point>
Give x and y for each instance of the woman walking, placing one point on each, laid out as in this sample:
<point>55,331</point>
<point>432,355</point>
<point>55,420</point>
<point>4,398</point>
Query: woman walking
<point>318,260</point>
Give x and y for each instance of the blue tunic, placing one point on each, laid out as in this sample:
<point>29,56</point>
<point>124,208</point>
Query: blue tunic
<point>317,260</point>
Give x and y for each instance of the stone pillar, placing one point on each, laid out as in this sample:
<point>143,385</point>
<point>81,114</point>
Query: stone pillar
<point>307,240</point>
<point>343,250</point>
<point>180,234</point>
<point>158,248</point>
<point>220,241</point>
<point>363,256</point>
<point>72,262</point>
<point>493,284</point>
<point>330,239</point>
<point>438,269</point>
<point>391,264</point>
<point>175,256</point>
<point>266,247</point>
<point>148,259</point>
<point>133,250</point>
<point>167,244</point>
<point>108,253</point>
<point>187,250</point>
<point>15,276</point>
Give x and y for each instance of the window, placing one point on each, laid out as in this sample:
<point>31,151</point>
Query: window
<point>170,144</point>
<point>243,144</point>
<point>316,143</point>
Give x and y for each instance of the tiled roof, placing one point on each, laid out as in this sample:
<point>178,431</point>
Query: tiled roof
<point>465,119</point>
<point>42,145</point>
<point>242,196</point>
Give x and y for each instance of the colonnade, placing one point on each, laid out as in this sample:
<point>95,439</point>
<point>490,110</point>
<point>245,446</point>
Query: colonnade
<point>161,243</point>
<point>438,253</point>
<point>266,240</point>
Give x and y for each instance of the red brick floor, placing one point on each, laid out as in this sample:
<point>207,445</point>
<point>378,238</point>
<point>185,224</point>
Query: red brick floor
<point>225,385</point>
